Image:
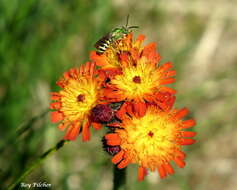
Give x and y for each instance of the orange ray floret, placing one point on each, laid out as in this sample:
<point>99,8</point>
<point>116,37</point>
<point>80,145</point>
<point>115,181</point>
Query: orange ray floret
<point>80,93</point>
<point>142,172</point>
<point>152,140</point>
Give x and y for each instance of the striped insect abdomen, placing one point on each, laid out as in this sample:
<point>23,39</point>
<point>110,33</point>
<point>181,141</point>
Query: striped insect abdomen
<point>102,44</point>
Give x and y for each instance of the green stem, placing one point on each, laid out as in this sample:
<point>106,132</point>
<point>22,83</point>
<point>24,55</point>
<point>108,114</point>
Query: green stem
<point>22,129</point>
<point>119,179</point>
<point>37,163</point>
<point>29,124</point>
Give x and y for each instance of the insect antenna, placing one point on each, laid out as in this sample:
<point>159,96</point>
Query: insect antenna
<point>129,27</point>
<point>127,21</point>
<point>133,27</point>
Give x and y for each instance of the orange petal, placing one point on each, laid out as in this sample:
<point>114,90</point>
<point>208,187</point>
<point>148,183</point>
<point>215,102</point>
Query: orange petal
<point>165,103</point>
<point>129,109</point>
<point>111,72</point>
<point>61,83</point>
<point>112,136</point>
<point>72,132</point>
<point>187,141</point>
<point>181,113</point>
<point>118,157</point>
<point>135,54</point>
<point>55,105</point>
<point>179,162</point>
<point>129,38</point>
<point>62,126</point>
<point>122,111</point>
<point>72,73</point>
<point>151,47</point>
<point>167,89</point>
<point>114,142</point>
<point>66,75</point>
<point>92,69</point>
<point>97,126</point>
<point>98,59</point>
<point>166,66</point>
<point>76,73</point>
<point>162,172</point>
<point>188,123</point>
<point>101,74</point>
<point>141,173</point>
<point>55,96</point>
<point>123,163</point>
<point>169,168</point>
<point>149,98</point>
<point>188,133</point>
<point>170,73</point>
<point>56,116</point>
<point>163,106</point>
<point>149,51</point>
<point>180,154</point>
<point>139,40</point>
<point>124,57</point>
<point>87,67</point>
<point>86,131</point>
<point>140,108</point>
<point>167,81</point>
<point>109,93</point>
<point>115,124</point>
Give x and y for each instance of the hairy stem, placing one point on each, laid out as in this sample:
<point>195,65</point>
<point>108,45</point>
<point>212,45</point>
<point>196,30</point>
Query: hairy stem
<point>119,179</point>
<point>22,129</point>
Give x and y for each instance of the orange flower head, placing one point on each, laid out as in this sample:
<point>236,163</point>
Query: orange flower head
<point>115,56</point>
<point>80,93</point>
<point>140,82</point>
<point>133,71</point>
<point>152,141</point>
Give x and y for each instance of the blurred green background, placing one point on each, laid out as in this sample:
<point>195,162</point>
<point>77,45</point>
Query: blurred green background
<point>40,39</point>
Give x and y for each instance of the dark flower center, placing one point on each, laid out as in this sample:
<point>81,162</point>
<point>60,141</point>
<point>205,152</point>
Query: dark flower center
<point>137,79</point>
<point>150,134</point>
<point>80,97</point>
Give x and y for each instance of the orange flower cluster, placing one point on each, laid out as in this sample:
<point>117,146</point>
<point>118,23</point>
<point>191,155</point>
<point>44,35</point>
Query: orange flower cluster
<point>127,93</point>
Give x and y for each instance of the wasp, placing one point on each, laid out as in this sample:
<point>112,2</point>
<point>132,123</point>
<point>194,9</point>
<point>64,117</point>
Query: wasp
<point>116,34</point>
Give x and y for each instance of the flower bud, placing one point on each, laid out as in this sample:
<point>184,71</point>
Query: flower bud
<point>101,113</point>
<point>112,150</point>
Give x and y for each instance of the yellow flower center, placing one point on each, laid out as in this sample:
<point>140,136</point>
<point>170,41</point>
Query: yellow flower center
<point>78,98</point>
<point>136,81</point>
<point>151,140</point>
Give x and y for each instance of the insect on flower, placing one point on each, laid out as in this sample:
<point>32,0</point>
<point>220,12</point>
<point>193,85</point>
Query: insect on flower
<point>116,34</point>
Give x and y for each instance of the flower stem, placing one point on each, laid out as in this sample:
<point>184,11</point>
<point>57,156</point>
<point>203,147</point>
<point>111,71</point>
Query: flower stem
<point>22,129</point>
<point>37,163</point>
<point>119,179</point>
